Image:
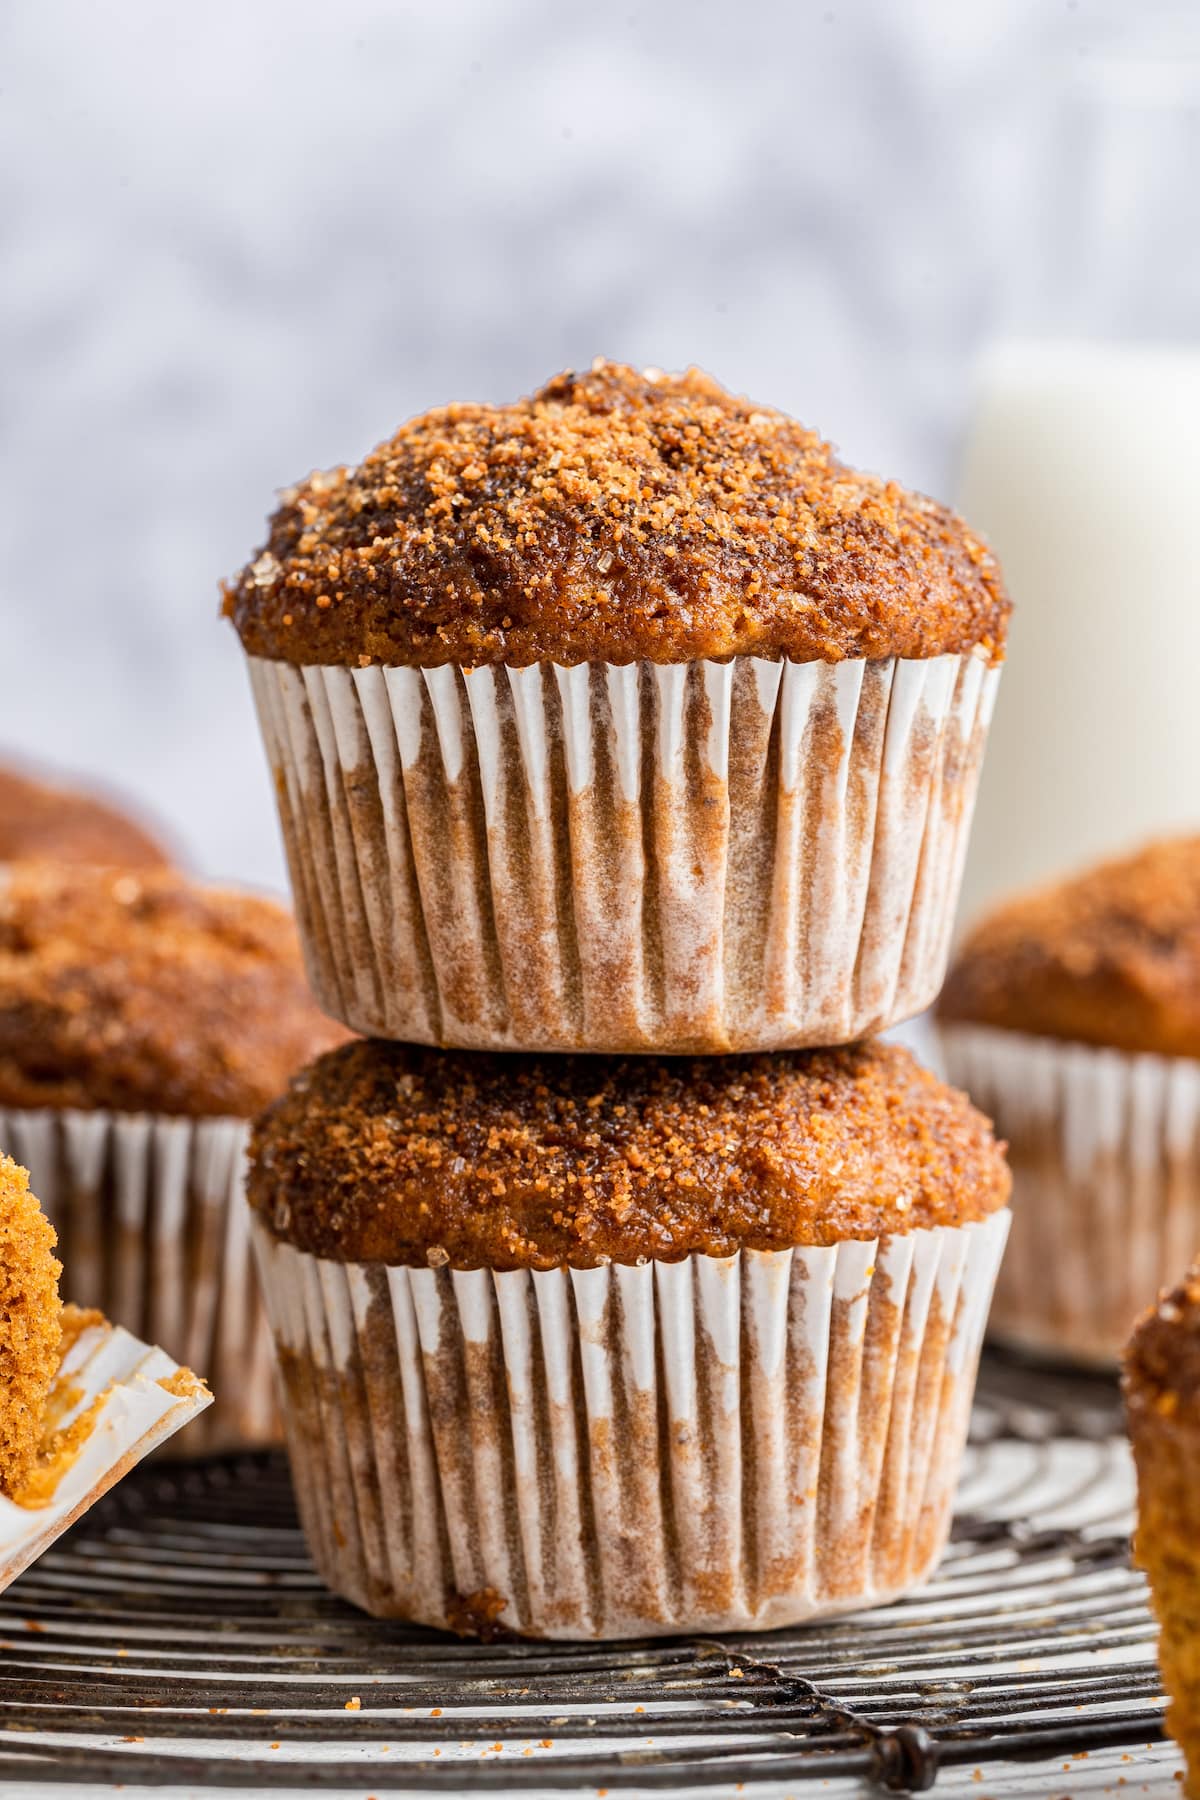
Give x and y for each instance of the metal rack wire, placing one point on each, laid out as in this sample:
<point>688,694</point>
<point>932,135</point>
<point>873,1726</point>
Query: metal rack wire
<point>179,1636</point>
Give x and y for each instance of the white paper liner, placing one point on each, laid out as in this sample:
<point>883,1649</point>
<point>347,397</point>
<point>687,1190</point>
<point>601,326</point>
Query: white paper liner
<point>714,1444</point>
<point>704,856</point>
<point>1105,1154</point>
<point>137,1414</point>
<point>153,1229</point>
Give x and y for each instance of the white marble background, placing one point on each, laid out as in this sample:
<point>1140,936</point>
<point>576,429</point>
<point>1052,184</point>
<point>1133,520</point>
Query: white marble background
<point>240,240</point>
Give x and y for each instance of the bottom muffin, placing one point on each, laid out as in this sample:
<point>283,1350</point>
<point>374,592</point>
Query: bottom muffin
<point>1162,1405</point>
<point>582,1348</point>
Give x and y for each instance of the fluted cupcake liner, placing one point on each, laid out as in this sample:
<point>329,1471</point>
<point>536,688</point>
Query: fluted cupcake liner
<point>693,857</point>
<point>711,1444</point>
<point>1105,1154</point>
<point>153,1229</point>
<point>121,1399</point>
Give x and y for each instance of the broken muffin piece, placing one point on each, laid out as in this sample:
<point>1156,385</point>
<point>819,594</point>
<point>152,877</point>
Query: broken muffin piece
<point>30,1323</point>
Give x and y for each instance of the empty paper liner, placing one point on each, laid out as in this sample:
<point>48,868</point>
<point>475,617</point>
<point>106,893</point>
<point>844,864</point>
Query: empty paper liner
<point>114,1400</point>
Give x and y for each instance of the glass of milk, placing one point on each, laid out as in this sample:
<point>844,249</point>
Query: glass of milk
<point>1082,469</point>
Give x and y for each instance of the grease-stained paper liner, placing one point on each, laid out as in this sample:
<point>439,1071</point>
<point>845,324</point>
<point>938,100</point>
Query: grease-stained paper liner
<point>141,1397</point>
<point>153,1229</point>
<point>690,857</point>
<point>713,1444</point>
<point>1105,1155</point>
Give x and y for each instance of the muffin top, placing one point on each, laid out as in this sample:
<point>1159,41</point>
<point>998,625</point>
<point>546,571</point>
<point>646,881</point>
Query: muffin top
<point>613,517</point>
<point>387,1152</point>
<point>64,825</point>
<point>1111,956</point>
<point>142,992</point>
<point>30,1316</point>
<point>1162,1359</point>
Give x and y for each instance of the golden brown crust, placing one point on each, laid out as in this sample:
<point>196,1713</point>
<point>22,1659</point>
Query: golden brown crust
<point>613,517</point>
<point>30,1314</point>
<point>43,822</point>
<point>142,992</point>
<point>391,1153</point>
<point>1162,1403</point>
<point>1111,956</point>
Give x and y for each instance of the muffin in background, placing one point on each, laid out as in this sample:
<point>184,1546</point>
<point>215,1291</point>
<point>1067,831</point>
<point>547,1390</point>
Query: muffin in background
<point>30,1324</point>
<point>621,718</point>
<point>1072,1016</point>
<point>1162,1406</point>
<point>143,1020</point>
<point>43,821</point>
<point>583,1347</point>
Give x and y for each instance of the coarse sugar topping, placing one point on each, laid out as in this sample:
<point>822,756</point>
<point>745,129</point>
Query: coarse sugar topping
<point>614,516</point>
<point>391,1153</point>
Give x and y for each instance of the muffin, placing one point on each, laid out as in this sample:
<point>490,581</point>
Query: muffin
<point>1072,1015</point>
<point>143,1021</point>
<point>1162,1403</point>
<point>622,718</point>
<point>38,821</point>
<point>30,1324</point>
<point>580,1347</point>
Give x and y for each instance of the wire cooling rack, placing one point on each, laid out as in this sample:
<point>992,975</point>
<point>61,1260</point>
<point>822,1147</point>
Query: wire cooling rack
<point>178,1639</point>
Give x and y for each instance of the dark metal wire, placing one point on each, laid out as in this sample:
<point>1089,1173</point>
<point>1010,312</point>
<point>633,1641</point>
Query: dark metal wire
<point>182,1613</point>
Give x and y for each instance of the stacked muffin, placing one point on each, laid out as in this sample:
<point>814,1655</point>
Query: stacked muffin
<point>622,735</point>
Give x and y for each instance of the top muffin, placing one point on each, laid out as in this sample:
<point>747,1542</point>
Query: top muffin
<point>613,517</point>
<point>142,992</point>
<point>1111,956</point>
<point>64,825</point>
